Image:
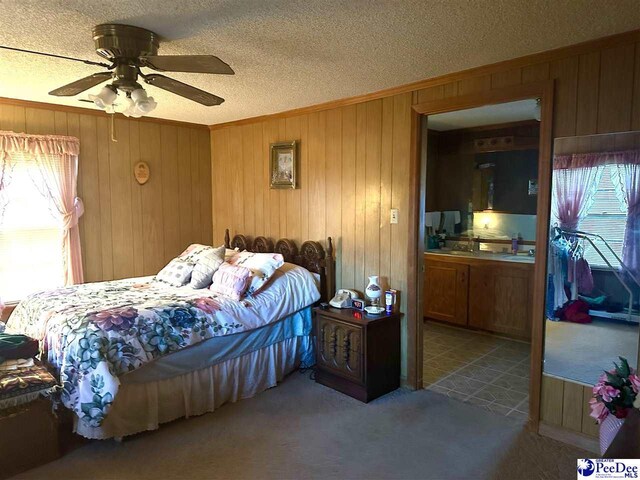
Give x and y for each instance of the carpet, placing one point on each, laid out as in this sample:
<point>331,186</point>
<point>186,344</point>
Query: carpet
<point>582,351</point>
<point>302,430</point>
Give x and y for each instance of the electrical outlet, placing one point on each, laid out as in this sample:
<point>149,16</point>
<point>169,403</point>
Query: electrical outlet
<point>394,216</point>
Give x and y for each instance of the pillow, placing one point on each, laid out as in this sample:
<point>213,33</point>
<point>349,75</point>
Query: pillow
<point>207,265</point>
<point>262,266</point>
<point>231,281</point>
<point>176,273</point>
<point>194,252</point>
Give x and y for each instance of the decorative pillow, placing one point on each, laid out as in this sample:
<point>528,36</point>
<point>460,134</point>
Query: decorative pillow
<point>231,281</point>
<point>262,266</point>
<point>176,273</point>
<point>208,263</point>
<point>194,252</point>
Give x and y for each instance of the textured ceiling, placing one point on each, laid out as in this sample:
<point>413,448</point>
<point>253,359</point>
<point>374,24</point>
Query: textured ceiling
<point>290,54</point>
<point>481,116</point>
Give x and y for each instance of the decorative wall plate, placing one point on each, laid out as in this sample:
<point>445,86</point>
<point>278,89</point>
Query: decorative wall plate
<point>141,172</point>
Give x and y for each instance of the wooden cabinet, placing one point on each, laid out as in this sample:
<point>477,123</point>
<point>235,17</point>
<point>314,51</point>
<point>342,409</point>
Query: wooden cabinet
<point>357,354</point>
<point>28,437</point>
<point>486,294</point>
<point>446,291</point>
<point>500,298</point>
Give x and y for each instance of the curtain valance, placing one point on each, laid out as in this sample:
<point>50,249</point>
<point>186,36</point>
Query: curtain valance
<point>588,160</point>
<point>11,142</point>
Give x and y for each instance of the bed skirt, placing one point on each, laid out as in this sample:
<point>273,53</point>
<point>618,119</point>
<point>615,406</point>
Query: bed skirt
<point>144,406</point>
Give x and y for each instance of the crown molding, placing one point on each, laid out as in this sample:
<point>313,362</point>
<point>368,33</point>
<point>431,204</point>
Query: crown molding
<point>531,59</point>
<point>97,113</point>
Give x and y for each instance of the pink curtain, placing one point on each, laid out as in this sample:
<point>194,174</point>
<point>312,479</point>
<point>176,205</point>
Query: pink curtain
<point>626,178</point>
<point>572,194</point>
<point>57,159</point>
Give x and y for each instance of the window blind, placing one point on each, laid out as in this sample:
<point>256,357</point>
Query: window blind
<point>607,217</point>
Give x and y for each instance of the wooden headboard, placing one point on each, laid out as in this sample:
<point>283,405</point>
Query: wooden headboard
<point>311,255</point>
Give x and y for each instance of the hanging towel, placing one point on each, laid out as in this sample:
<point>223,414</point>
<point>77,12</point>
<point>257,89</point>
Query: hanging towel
<point>451,219</point>
<point>432,219</point>
<point>583,275</point>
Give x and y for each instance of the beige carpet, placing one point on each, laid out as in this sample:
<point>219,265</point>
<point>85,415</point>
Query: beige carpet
<point>582,351</point>
<point>303,430</point>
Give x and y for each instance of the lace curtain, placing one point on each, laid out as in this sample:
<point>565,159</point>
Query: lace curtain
<point>572,194</point>
<point>626,179</point>
<point>57,160</point>
<point>576,179</point>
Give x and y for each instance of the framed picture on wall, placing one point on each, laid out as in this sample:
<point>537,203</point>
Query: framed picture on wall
<point>283,166</point>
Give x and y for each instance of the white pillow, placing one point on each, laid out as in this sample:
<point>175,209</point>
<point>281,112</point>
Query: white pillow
<point>262,266</point>
<point>176,273</point>
<point>194,252</point>
<point>208,264</point>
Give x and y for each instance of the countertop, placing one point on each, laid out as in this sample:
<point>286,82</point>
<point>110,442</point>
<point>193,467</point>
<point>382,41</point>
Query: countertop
<point>481,255</point>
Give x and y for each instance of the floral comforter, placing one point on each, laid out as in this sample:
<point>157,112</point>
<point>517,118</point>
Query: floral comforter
<point>94,333</point>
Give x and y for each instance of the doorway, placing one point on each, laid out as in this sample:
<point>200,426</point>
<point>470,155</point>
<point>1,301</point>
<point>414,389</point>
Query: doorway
<point>528,353</point>
<point>480,221</point>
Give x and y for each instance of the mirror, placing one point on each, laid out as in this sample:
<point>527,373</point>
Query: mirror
<point>482,173</point>
<point>502,179</point>
<point>593,263</point>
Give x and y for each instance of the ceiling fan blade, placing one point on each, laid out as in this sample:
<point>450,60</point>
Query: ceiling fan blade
<point>81,85</point>
<point>182,89</point>
<point>88,62</point>
<point>187,63</point>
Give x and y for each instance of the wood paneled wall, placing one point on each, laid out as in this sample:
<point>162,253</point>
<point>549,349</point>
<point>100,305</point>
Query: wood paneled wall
<point>355,156</point>
<point>566,404</point>
<point>128,229</point>
<point>354,167</point>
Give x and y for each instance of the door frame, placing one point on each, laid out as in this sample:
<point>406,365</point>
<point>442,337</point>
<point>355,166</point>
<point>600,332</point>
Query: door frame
<point>543,90</point>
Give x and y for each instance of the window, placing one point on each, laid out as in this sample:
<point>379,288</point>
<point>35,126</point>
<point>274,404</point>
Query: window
<point>30,237</point>
<point>607,217</point>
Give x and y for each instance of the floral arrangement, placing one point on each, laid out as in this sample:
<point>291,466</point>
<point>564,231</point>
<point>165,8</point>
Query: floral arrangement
<point>616,392</point>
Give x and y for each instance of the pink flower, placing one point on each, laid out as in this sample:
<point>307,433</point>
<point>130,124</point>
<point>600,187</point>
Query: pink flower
<point>607,392</point>
<point>635,382</point>
<point>114,318</point>
<point>598,410</point>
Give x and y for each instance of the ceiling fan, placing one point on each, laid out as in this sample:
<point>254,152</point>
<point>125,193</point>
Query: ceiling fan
<point>128,49</point>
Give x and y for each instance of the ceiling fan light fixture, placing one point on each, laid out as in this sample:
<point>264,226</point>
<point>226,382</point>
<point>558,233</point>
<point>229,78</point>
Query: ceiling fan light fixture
<point>138,94</point>
<point>147,105</point>
<point>126,106</point>
<point>105,97</point>
<point>143,103</point>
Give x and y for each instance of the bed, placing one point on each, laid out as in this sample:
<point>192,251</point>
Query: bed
<point>132,354</point>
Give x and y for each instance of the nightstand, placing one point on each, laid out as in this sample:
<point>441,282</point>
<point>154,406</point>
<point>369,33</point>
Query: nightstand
<point>356,353</point>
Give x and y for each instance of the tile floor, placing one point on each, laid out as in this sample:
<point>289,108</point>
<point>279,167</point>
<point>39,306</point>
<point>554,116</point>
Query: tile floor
<point>478,368</point>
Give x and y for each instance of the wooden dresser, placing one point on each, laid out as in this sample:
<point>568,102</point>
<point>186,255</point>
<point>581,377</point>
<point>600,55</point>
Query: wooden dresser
<point>357,356</point>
